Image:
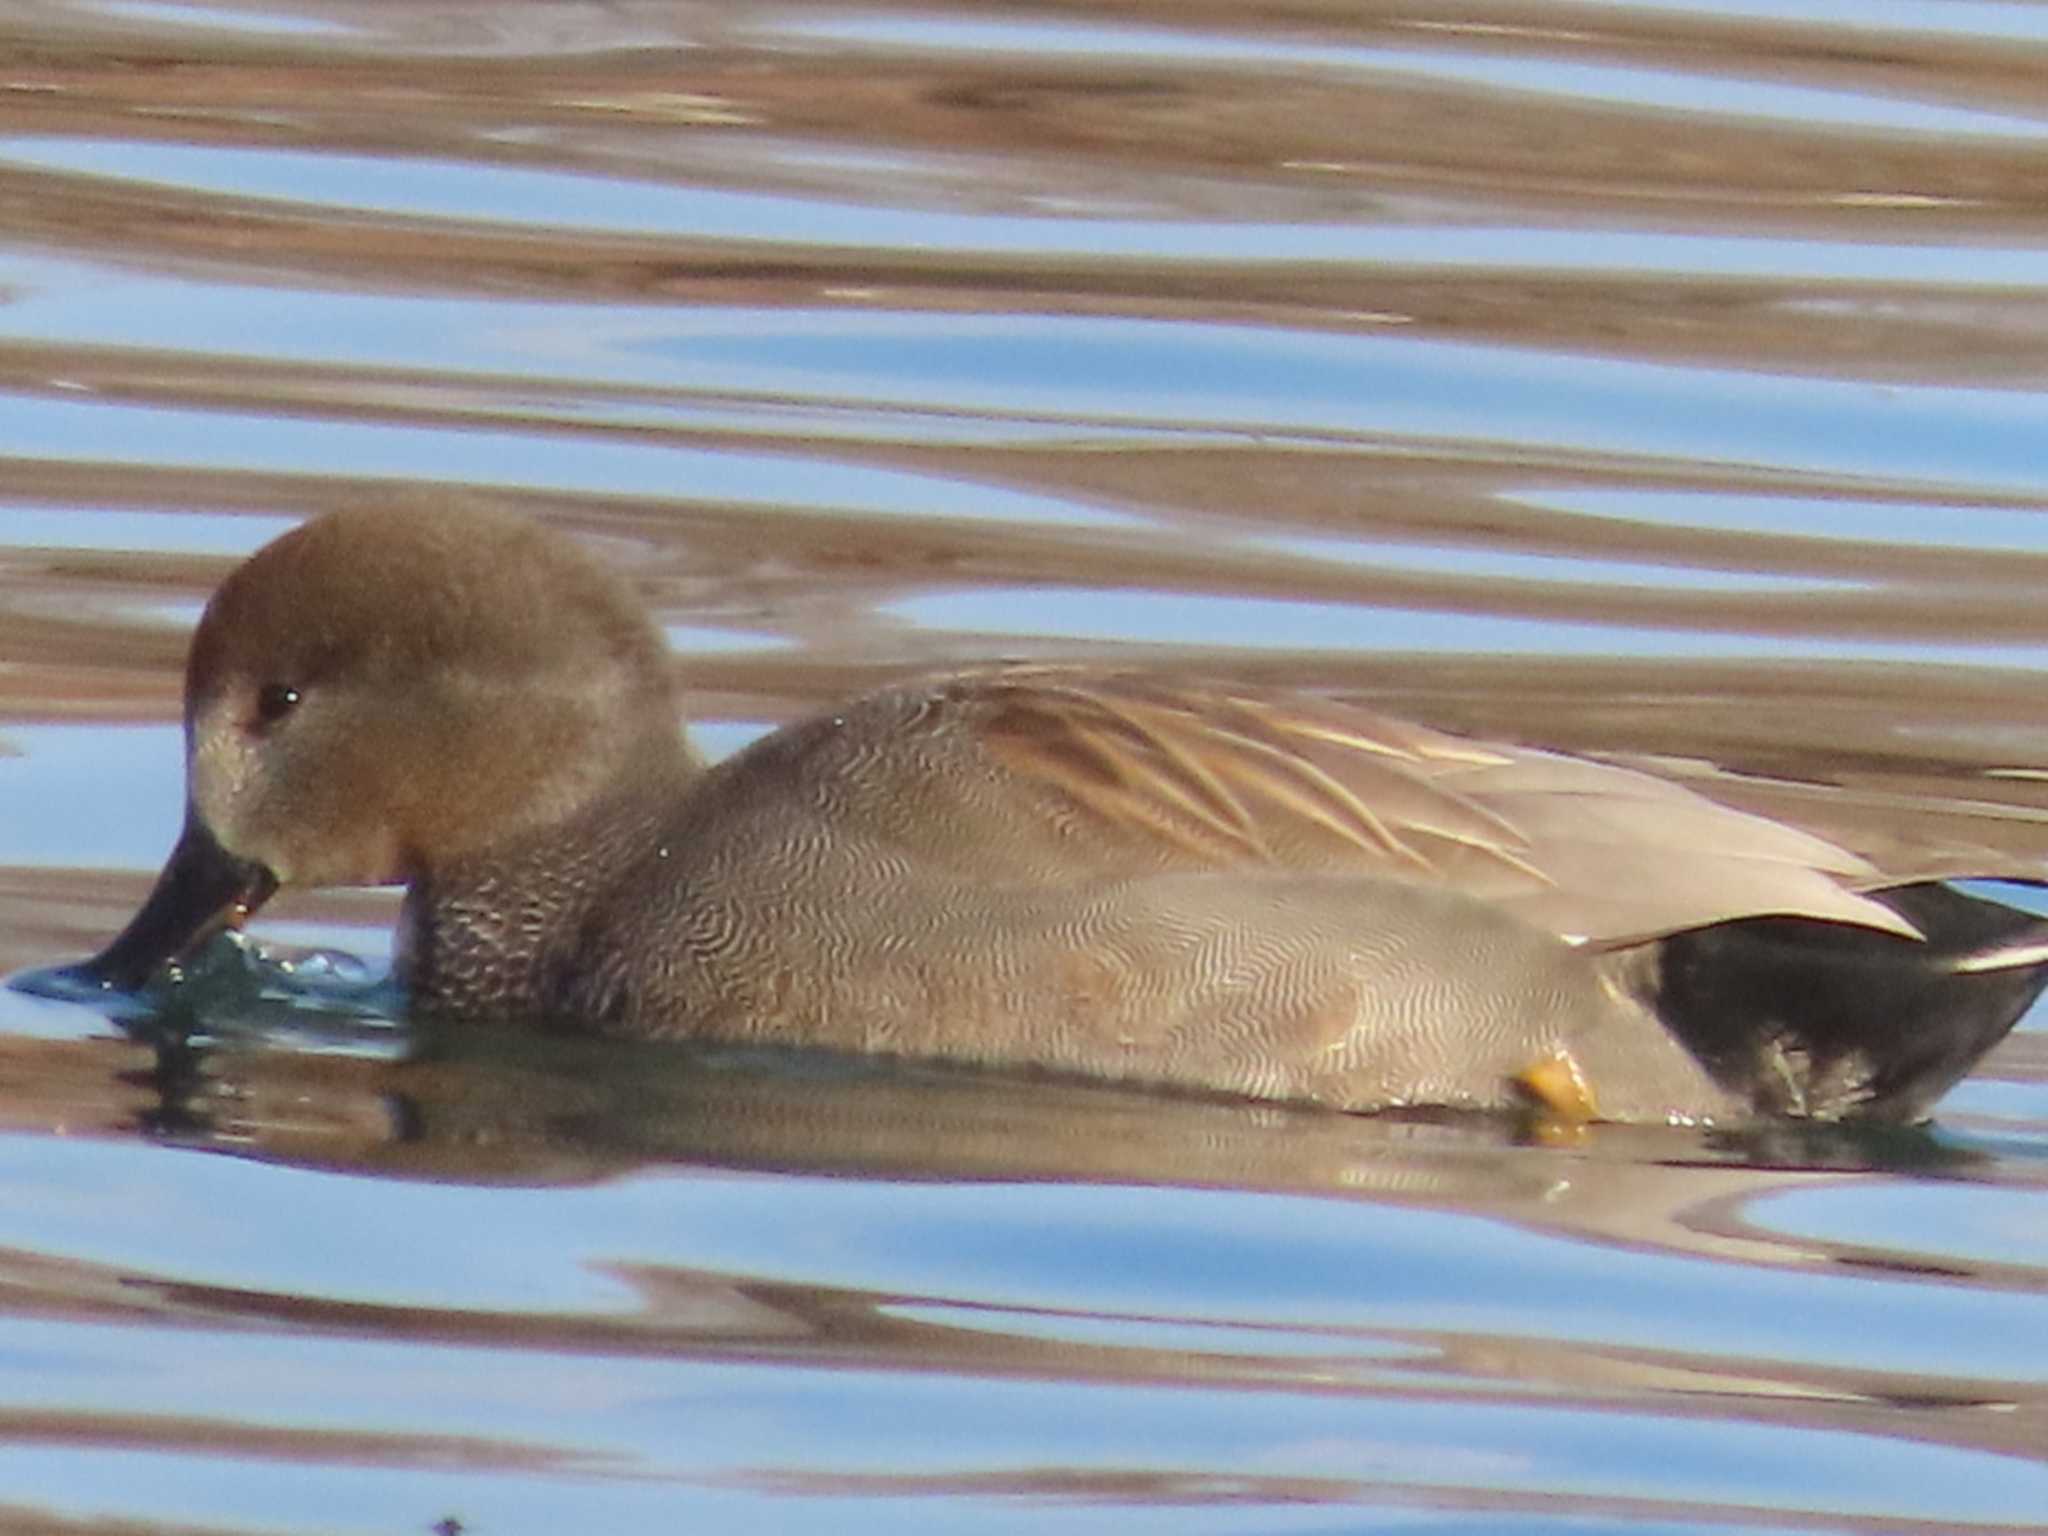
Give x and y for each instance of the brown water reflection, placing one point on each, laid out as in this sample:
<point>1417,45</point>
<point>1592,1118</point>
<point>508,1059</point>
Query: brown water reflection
<point>1657,381</point>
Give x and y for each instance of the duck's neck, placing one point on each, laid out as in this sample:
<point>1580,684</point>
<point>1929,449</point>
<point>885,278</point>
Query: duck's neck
<point>498,934</point>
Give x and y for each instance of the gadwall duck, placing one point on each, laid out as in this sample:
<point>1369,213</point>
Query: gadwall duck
<point>1083,870</point>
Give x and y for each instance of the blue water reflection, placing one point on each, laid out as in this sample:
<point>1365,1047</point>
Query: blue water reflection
<point>1112,374</point>
<point>438,189</point>
<point>1569,79</point>
<point>1275,624</point>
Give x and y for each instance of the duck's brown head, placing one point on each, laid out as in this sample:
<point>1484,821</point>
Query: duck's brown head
<point>382,693</point>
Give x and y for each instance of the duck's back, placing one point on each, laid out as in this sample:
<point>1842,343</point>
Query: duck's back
<point>1007,869</point>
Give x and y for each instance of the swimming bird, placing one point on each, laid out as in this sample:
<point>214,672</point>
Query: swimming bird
<point>1082,869</point>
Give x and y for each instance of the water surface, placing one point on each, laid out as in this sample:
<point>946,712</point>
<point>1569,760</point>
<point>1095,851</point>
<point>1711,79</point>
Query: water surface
<point>1657,380</point>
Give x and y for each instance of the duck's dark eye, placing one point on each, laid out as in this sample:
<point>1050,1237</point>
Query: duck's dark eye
<point>274,701</point>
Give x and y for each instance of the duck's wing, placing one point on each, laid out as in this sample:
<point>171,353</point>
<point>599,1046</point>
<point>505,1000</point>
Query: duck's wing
<point>1215,776</point>
<point>1914,824</point>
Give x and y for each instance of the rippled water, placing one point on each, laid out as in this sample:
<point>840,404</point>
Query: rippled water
<point>1656,379</point>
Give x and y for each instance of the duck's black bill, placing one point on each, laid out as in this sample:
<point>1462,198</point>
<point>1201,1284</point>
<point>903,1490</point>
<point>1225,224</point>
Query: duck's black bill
<point>203,889</point>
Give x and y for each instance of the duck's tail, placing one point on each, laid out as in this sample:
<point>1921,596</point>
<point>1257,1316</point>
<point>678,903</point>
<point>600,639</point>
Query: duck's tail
<point>1827,1020</point>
